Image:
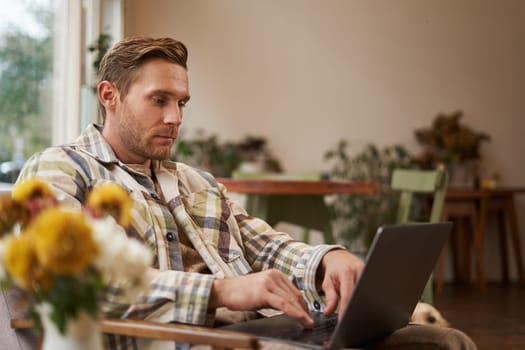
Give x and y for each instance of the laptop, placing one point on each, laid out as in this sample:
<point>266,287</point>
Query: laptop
<point>397,268</point>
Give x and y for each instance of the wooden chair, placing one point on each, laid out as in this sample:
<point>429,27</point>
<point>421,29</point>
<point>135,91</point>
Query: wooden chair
<point>411,182</point>
<point>465,216</point>
<point>14,339</point>
<point>309,212</point>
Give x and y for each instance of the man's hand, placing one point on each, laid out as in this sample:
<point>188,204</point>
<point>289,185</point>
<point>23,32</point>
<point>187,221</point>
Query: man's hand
<point>338,273</point>
<point>268,288</point>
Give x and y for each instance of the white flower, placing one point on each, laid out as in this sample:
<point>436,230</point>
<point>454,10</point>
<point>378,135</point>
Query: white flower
<point>124,262</point>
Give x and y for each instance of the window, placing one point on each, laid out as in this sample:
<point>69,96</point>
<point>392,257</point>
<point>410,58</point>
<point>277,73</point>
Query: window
<point>26,81</point>
<point>45,81</point>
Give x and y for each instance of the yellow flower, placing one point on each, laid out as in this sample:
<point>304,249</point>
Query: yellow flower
<point>11,212</point>
<point>31,188</point>
<point>110,199</point>
<point>20,260</point>
<point>34,195</point>
<point>63,241</point>
<point>66,258</point>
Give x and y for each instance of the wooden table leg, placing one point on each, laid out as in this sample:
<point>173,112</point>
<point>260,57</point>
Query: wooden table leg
<point>479,245</point>
<point>502,234</point>
<point>464,246</point>
<point>513,222</point>
<point>455,247</point>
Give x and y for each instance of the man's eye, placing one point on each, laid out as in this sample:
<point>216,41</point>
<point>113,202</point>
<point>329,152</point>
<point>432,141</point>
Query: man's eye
<point>182,103</point>
<point>159,101</point>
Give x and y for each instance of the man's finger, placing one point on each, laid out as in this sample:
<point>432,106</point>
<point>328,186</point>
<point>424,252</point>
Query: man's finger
<point>331,296</point>
<point>346,289</point>
<point>292,308</point>
<point>286,288</point>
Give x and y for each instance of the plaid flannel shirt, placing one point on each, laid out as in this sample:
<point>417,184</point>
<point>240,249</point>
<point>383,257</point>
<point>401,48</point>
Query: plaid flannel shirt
<point>230,241</point>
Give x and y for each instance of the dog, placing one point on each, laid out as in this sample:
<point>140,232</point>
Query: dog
<point>427,314</point>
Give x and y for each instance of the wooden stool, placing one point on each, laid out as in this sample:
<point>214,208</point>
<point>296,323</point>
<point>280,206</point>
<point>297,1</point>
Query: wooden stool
<point>474,205</point>
<point>505,211</point>
<point>466,231</point>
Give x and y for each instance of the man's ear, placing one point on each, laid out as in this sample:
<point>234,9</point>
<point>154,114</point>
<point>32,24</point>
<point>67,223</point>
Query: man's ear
<point>107,95</point>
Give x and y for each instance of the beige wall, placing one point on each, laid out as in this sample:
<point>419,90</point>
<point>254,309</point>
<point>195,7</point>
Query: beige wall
<point>306,73</point>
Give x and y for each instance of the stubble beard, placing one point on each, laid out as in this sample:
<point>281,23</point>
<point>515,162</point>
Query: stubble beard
<point>136,141</point>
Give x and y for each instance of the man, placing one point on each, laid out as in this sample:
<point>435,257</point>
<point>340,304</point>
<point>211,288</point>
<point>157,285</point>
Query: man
<point>209,254</point>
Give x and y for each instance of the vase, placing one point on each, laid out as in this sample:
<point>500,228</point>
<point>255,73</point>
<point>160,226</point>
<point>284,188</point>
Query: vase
<point>464,174</point>
<point>82,332</point>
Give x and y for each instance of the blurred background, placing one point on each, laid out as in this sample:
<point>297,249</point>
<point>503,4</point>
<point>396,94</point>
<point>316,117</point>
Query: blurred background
<point>300,75</point>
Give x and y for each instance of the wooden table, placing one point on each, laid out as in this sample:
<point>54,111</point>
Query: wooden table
<point>299,187</point>
<point>475,206</point>
<point>299,202</point>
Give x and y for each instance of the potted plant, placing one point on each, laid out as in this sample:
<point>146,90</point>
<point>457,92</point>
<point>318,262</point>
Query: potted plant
<point>222,158</point>
<point>356,218</point>
<point>64,285</point>
<point>455,145</point>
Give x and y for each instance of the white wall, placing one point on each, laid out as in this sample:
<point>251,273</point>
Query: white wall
<point>306,73</point>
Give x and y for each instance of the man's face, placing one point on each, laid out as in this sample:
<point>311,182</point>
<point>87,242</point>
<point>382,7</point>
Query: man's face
<point>147,121</point>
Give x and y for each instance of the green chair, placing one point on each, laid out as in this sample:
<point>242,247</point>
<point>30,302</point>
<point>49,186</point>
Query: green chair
<point>411,182</point>
<point>308,211</point>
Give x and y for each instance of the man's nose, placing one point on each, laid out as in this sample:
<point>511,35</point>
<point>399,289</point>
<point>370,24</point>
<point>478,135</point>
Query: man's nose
<point>173,116</point>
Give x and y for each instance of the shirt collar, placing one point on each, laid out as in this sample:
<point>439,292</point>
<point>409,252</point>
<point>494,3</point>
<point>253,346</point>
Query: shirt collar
<point>92,142</point>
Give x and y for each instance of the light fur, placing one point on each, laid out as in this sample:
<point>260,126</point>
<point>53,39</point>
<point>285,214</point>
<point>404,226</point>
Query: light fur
<point>427,314</point>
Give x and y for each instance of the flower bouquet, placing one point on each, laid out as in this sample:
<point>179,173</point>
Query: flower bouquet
<point>63,260</point>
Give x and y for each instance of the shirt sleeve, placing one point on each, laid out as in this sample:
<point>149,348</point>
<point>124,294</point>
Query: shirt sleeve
<point>172,296</point>
<point>267,248</point>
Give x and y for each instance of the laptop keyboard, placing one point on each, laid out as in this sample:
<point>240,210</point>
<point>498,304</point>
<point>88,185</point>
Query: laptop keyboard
<point>321,332</point>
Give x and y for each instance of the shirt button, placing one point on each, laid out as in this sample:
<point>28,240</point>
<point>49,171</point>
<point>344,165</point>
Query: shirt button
<point>170,236</point>
<point>317,306</point>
